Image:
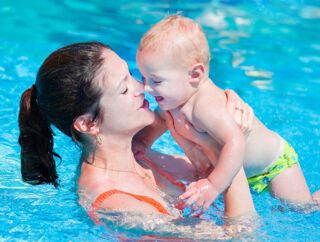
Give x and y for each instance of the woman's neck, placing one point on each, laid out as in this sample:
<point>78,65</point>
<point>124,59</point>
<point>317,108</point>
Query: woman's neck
<point>112,153</point>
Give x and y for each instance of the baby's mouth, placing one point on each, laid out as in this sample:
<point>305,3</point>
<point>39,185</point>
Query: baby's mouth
<point>159,98</point>
<point>145,104</point>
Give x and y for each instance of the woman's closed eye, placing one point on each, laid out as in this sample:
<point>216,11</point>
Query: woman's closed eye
<point>124,91</point>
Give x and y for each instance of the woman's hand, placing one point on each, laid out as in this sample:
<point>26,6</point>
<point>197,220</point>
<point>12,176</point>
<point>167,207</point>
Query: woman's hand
<point>240,111</point>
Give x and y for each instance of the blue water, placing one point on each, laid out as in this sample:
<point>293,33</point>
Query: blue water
<point>267,51</point>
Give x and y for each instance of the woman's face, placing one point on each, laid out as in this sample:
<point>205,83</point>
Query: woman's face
<point>124,107</point>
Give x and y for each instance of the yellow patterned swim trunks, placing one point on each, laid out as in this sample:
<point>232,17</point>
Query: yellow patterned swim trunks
<point>288,158</point>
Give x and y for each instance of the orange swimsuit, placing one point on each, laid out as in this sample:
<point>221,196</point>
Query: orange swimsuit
<point>161,209</point>
<point>103,196</point>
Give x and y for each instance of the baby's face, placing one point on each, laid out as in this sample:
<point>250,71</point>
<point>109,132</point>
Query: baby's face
<point>165,78</point>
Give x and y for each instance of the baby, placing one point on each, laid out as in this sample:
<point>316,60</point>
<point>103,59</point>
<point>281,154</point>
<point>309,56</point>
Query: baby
<point>173,58</point>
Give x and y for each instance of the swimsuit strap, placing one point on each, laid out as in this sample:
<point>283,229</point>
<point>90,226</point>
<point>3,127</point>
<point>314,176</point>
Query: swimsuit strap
<point>103,196</point>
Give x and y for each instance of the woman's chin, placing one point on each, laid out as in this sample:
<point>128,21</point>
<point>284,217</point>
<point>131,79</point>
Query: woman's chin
<point>151,117</point>
<point>147,118</point>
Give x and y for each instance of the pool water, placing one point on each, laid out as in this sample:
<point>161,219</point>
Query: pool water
<point>267,51</point>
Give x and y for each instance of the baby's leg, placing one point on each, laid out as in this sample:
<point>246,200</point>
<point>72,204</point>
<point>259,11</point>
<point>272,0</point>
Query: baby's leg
<point>290,185</point>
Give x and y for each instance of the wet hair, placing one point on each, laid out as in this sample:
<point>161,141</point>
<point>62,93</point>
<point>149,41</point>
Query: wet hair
<point>179,35</point>
<point>65,88</point>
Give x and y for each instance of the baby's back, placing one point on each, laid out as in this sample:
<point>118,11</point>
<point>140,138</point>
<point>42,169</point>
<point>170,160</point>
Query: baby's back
<point>262,144</point>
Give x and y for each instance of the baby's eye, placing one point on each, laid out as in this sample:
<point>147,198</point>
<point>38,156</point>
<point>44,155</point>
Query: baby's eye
<point>125,91</point>
<point>156,81</point>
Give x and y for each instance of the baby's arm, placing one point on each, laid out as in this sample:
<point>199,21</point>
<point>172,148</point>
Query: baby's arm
<point>218,123</point>
<point>237,198</point>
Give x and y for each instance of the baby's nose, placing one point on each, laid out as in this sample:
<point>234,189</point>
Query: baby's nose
<point>148,88</point>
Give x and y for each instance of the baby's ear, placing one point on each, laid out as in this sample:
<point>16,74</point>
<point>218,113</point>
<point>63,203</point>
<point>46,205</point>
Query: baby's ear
<point>196,73</point>
<point>85,124</point>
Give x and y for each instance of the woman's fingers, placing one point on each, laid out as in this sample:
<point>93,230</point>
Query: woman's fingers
<point>241,112</point>
<point>237,115</point>
<point>244,117</point>
<point>250,118</point>
<point>247,119</point>
<point>231,95</point>
<point>231,100</point>
<point>235,107</point>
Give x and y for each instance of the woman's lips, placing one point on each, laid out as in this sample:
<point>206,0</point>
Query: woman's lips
<point>158,98</point>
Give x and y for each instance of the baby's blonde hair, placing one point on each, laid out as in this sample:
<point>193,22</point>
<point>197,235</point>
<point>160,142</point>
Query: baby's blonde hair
<point>180,35</point>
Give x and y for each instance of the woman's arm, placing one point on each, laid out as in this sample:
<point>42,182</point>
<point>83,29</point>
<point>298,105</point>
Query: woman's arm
<point>177,166</point>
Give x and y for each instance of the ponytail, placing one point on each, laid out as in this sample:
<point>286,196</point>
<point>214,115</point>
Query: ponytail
<point>36,141</point>
<point>65,88</point>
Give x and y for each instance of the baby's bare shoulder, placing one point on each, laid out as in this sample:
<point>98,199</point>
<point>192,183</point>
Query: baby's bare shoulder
<point>208,102</point>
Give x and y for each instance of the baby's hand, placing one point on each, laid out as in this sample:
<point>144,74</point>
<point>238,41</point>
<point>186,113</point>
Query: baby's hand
<point>200,194</point>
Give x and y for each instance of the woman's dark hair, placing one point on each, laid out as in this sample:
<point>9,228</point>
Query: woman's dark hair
<point>64,89</point>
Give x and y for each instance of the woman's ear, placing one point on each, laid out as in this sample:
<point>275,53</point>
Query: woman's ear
<point>85,124</point>
<point>196,73</point>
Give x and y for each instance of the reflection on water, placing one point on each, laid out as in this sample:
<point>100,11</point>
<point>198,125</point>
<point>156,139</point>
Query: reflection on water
<point>139,224</point>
